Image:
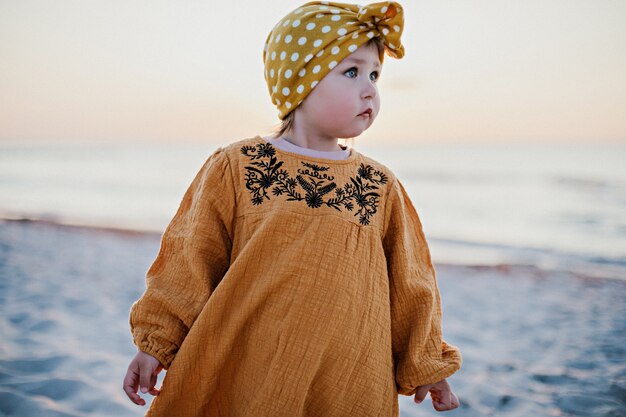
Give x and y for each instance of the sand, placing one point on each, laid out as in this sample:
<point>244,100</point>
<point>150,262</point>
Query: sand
<point>535,342</point>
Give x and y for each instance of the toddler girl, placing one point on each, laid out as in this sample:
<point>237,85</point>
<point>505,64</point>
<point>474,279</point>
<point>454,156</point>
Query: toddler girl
<point>295,278</point>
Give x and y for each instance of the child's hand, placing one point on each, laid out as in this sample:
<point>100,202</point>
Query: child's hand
<point>143,370</point>
<point>440,393</point>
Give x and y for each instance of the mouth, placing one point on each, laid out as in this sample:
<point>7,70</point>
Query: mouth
<point>366,113</point>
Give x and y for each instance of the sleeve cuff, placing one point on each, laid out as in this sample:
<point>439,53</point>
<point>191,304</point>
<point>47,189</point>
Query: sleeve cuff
<point>428,371</point>
<point>164,355</point>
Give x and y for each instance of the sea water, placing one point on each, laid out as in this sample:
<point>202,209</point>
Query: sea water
<point>553,205</point>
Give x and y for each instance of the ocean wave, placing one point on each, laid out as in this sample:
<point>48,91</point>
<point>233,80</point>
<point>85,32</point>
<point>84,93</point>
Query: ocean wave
<point>494,253</point>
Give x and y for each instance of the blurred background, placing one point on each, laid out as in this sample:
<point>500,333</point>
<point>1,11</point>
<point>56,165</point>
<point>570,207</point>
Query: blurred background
<point>506,121</point>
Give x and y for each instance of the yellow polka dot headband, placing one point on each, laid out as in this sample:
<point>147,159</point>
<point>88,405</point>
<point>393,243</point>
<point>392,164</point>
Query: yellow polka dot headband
<point>311,40</point>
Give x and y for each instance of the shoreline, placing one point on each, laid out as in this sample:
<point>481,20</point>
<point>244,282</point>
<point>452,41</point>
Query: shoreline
<point>76,226</point>
<point>503,268</point>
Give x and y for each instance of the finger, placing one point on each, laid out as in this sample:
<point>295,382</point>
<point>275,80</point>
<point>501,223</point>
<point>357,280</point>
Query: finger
<point>435,394</point>
<point>421,392</point>
<point>130,387</point>
<point>145,375</point>
<point>153,381</point>
<point>454,400</point>
<point>443,402</point>
<point>131,393</point>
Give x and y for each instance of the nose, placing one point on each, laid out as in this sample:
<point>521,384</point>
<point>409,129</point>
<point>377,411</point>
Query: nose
<point>369,90</point>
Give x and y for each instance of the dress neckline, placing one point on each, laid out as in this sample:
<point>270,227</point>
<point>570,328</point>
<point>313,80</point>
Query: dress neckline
<point>351,157</point>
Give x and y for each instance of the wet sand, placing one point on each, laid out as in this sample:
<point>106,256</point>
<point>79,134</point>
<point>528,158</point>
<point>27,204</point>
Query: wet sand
<point>535,342</point>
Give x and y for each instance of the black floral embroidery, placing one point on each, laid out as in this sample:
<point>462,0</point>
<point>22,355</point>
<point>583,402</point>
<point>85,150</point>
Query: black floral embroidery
<point>313,183</point>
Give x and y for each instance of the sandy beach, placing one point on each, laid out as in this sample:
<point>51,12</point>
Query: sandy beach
<point>535,342</point>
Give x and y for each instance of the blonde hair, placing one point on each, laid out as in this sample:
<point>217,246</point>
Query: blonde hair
<point>287,123</point>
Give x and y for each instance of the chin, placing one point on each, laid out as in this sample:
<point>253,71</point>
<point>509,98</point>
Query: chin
<point>348,135</point>
<point>352,133</point>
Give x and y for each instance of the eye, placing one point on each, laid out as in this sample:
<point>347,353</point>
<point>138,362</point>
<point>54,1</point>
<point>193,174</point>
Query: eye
<point>352,72</point>
<point>374,75</point>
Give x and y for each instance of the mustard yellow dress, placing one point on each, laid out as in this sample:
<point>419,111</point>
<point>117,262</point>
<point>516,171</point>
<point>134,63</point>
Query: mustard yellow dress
<point>289,285</point>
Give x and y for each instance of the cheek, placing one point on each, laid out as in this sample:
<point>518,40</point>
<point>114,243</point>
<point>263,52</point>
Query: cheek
<point>376,103</point>
<point>328,104</point>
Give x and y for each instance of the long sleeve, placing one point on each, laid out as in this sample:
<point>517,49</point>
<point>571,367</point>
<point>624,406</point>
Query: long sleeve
<point>193,257</point>
<point>420,355</point>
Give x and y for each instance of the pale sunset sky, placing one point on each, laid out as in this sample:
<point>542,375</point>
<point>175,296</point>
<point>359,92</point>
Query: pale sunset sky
<point>474,70</point>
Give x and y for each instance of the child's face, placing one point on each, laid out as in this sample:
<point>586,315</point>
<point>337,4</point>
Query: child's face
<point>336,106</point>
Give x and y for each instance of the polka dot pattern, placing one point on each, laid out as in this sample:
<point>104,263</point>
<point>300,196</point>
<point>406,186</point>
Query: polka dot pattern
<point>311,40</point>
